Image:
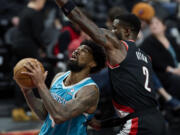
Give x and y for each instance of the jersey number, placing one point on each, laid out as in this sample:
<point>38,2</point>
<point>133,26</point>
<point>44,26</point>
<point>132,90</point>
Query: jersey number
<point>146,73</point>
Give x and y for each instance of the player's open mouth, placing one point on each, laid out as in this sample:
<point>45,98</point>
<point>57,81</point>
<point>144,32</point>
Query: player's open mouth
<point>74,57</point>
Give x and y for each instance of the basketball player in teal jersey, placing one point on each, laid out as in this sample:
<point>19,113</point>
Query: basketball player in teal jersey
<point>72,96</point>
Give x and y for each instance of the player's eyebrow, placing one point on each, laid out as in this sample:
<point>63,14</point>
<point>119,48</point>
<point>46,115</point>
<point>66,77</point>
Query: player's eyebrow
<point>87,48</point>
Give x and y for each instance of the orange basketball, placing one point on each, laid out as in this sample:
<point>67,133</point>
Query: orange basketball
<point>22,79</point>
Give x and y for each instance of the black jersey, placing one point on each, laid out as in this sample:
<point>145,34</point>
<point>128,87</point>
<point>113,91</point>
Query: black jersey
<point>132,82</point>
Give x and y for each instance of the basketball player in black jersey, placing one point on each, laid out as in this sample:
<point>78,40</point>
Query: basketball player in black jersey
<point>130,71</point>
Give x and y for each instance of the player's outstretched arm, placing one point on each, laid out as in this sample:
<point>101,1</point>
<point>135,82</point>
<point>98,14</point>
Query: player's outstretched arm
<point>100,36</point>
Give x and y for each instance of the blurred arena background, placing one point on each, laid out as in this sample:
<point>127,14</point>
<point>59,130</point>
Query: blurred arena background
<point>52,41</point>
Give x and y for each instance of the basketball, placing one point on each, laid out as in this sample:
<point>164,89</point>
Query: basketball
<point>25,80</point>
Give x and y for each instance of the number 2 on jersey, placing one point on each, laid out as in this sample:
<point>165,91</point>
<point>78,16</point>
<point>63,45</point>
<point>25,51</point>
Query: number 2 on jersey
<point>146,73</point>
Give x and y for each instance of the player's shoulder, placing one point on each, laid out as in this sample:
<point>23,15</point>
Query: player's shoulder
<point>91,86</point>
<point>89,89</point>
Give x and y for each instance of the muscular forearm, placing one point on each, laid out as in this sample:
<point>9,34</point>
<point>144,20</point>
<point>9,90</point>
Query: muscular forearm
<point>84,100</point>
<point>54,108</point>
<point>36,105</point>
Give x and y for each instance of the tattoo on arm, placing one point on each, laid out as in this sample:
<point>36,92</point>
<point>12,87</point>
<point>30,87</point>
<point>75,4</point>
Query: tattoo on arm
<point>36,105</point>
<point>86,98</point>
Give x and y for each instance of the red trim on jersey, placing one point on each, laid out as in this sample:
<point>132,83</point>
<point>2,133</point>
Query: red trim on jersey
<point>134,126</point>
<point>112,66</point>
<point>125,44</point>
<point>123,107</point>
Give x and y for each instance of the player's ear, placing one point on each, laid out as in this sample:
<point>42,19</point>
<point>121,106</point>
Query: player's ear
<point>93,64</point>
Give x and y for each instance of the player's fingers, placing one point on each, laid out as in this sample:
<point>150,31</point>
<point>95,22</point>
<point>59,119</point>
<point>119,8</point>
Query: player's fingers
<point>45,74</point>
<point>28,67</point>
<point>27,73</point>
<point>36,64</point>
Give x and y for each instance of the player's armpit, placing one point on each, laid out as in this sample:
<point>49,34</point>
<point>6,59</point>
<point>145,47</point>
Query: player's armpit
<point>85,99</point>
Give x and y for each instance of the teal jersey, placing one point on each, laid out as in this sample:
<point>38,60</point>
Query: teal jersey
<point>62,94</point>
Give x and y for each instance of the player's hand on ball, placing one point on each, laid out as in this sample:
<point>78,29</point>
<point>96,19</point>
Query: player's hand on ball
<point>35,72</point>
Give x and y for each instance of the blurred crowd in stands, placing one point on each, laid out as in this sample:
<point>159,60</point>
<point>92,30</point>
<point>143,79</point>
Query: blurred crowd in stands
<point>38,29</point>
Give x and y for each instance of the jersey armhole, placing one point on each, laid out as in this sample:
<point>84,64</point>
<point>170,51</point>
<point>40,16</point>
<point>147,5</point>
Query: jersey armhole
<point>112,66</point>
<point>56,76</point>
<point>117,65</point>
<point>125,44</point>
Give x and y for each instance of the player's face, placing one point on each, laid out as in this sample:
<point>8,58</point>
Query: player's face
<point>81,58</point>
<point>117,29</point>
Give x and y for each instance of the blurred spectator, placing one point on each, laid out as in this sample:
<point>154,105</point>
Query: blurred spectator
<point>171,102</point>
<point>144,11</point>
<point>9,9</point>
<point>9,35</point>
<point>68,33</point>
<point>165,56</point>
<point>29,32</point>
<point>28,43</point>
<point>70,37</point>
<point>76,43</point>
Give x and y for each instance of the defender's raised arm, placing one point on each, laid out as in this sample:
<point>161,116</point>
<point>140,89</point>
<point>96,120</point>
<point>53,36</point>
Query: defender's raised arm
<point>101,36</point>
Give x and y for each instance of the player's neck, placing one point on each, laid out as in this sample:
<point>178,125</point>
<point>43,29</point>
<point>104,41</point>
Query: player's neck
<point>75,77</point>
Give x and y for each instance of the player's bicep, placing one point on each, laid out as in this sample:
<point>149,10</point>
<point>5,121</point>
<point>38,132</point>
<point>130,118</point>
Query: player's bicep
<point>109,40</point>
<point>85,99</point>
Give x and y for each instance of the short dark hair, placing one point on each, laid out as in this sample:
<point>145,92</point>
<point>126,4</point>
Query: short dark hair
<point>98,55</point>
<point>130,20</point>
<point>116,11</point>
